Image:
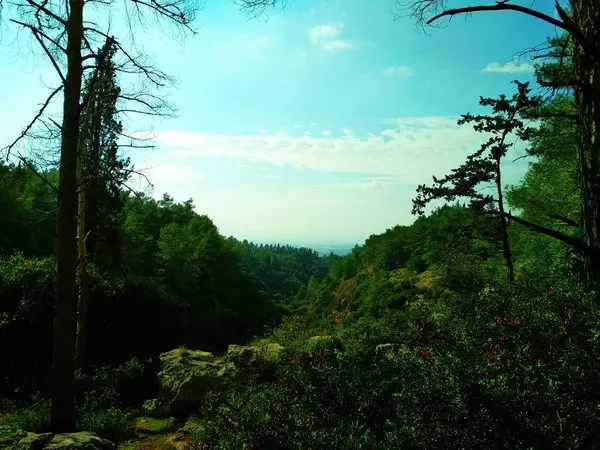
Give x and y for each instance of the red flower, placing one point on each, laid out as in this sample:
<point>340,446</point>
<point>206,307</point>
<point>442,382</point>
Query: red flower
<point>502,340</point>
<point>421,324</point>
<point>494,348</point>
<point>424,353</point>
<point>338,319</point>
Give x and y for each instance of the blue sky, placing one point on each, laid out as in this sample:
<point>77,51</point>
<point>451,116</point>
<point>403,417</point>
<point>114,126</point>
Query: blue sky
<point>312,125</point>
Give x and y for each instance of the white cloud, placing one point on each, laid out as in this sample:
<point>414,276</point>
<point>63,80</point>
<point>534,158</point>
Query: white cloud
<point>320,32</point>
<point>513,66</point>
<point>402,72</point>
<point>337,45</point>
<point>326,36</point>
<point>410,151</point>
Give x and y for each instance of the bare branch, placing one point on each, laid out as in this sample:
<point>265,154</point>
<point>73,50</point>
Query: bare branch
<point>420,8</point>
<point>501,6</point>
<point>38,36</point>
<point>46,11</point>
<point>35,119</point>
<point>38,174</point>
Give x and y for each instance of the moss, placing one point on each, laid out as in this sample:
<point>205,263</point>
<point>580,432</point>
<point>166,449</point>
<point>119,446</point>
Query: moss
<point>151,425</point>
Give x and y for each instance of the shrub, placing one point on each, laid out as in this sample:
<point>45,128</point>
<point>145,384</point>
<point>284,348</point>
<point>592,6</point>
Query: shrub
<point>112,423</point>
<point>34,416</point>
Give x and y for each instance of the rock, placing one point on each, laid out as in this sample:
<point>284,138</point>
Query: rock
<point>79,441</point>
<point>34,441</point>
<point>244,356</point>
<point>150,425</point>
<point>10,436</point>
<point>15,439</point>
<point>184,381</point>
<point>184,356</point>
<point>192,425</point>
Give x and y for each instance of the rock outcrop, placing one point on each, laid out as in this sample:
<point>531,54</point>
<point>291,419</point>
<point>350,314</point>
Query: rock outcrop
<point>15,439</point>
<point>187,375</point>
<point>184,379</point>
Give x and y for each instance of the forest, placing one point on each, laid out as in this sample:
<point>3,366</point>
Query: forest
<point>132,323</point>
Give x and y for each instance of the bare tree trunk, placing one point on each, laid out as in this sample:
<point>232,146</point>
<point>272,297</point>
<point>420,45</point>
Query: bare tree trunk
<point>586,14</point>
<point>63,405</point>
<point>504,223</point>
<point>84,282</point>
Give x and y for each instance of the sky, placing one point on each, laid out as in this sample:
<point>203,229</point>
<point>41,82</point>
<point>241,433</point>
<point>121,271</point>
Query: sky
<point>310,125</point>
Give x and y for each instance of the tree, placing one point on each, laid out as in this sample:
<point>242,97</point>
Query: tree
<point>59,28</point>
<point>484,166</point>
<point>100,175</point>
<point>582,34</point>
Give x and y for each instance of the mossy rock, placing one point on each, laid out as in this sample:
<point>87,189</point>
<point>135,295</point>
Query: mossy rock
<point>79,441</point>
<point>186,356</point>
<point>185,380</point>
<point>151,425</point>
<point>15,439</point>
<point>35,441</point>
<point>10,436</point>
<point>193,425</point>
<point>244,356</point>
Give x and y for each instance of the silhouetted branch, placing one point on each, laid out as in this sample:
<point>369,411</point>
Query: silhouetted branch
<point>35,119</point>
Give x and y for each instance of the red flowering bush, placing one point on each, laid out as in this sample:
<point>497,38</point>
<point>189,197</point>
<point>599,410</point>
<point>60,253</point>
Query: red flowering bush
<point>497,369</point>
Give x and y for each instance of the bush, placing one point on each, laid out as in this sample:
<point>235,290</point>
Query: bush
<point>112,423</point>
<point>34,416</point>
<point>509,367</point>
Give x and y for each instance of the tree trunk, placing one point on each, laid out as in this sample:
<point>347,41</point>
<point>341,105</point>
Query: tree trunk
<point>586,15</point>
<point>84,282</point>
<point>504,224</point>
<point>63,395</point>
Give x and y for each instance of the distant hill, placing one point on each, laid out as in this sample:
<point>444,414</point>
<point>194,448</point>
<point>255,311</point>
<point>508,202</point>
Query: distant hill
<point>341,250</point>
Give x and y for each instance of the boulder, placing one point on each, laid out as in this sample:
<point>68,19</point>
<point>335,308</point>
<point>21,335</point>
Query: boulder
<point>34,441</point>
<point>184,380</point>
<point>15,439</point>
<point>78,441</point>
<point>10,436</point>
<point>151,425</point>
<point>244,356</point>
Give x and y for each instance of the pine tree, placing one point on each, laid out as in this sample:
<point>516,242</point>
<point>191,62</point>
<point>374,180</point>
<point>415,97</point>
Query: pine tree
<point>100,173</point>
<point>484,166</point>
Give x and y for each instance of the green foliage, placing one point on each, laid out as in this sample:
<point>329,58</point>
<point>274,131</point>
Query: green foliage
<point>112,423</point>
<point>462,370</point>
<point>33,415</point>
